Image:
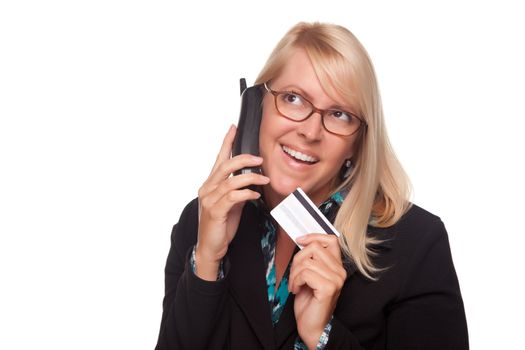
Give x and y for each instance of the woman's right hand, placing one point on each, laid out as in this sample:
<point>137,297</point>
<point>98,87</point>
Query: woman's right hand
<point>221,200</point>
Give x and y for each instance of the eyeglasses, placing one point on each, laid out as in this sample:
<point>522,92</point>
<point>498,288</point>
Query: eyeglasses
<point>293,106</point>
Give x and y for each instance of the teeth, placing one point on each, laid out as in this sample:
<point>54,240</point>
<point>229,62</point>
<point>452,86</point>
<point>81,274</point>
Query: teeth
<point>299,155</point>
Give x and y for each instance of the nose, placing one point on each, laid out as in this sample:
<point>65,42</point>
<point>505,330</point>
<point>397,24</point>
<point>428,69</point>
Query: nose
<point>311,128</point>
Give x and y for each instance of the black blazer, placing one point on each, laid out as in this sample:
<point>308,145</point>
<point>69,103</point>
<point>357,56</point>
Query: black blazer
<point>415,304</point>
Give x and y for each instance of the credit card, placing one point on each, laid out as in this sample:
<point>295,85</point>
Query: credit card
<point>298,216</point>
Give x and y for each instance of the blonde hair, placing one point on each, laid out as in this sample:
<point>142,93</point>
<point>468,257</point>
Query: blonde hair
<point>379,189</point>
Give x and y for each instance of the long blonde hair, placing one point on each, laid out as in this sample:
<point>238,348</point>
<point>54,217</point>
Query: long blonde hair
<point>379,189</point>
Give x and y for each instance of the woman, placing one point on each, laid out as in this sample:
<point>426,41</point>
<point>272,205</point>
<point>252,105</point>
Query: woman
<point>235,280</point>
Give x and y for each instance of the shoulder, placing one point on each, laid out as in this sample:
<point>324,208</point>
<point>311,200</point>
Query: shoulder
<point>190,213</point>
<point>417,227</point>
<point>417,219</point>
<point>422,256</point>
<point>418,238</point>
<point>184,233</point>
<point>418,250</point>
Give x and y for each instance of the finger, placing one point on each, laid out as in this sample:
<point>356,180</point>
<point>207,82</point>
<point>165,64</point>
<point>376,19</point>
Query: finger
<point>318,251</point>
<point>315,251</point>
<point>311,272</point>
<point>317,266</point>
<point>238,182</point>
<point>226,168</point>
<point>226,202</point>
<point>329,241</point>
<point>297,268</point>
<point>321,286</point>
<point>226,148</point>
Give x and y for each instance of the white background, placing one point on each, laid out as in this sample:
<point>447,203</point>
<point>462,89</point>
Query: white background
<point>112,113</point>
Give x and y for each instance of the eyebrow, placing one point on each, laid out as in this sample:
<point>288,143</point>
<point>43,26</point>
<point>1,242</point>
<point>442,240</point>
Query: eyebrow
<point>291,88</point>
<point>297,89</point>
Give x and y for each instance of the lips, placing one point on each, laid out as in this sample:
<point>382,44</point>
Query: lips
<point>300,156</point>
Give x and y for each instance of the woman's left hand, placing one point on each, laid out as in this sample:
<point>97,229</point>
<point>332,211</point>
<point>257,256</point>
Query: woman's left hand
<point>316,278</point>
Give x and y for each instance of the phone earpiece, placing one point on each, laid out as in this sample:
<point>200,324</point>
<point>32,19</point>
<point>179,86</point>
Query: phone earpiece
<point>243,85</point>
<point>247,137</point>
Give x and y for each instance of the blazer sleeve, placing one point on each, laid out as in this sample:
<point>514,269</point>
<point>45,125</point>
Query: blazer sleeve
<point>191,306</point>
<point>428,312</point>
<point>342,338</point>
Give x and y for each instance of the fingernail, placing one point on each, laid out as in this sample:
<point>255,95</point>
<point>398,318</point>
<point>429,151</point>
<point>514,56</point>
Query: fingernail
<point>257,159</point>
<point>300,239</point>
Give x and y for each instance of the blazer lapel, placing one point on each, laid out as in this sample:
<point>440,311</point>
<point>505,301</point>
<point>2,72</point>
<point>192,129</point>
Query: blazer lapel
<point>286,324</point>
<point>247,276</point>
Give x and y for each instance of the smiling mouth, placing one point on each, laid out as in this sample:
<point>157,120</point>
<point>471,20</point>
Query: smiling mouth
<point>299,156</point>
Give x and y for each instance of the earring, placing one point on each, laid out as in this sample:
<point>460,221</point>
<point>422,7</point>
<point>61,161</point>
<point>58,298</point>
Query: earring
<point>346,170</point>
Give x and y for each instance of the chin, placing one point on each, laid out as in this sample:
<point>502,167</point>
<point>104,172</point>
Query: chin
<point>284,186</point>
<point>279,188</point>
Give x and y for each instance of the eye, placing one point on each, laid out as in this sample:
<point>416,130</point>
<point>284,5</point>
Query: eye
<point>292,98</point>
<point>340,115</point>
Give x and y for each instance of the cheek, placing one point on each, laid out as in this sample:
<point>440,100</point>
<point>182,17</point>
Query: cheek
<point>265,119</point>
<point>264,135</point>
<point>350,147</point>
<point>350,151</point>
<point>340,152</point>
<point>272,128</point>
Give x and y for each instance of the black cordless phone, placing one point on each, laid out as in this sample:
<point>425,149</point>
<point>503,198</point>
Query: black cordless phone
<point>247,136</point>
